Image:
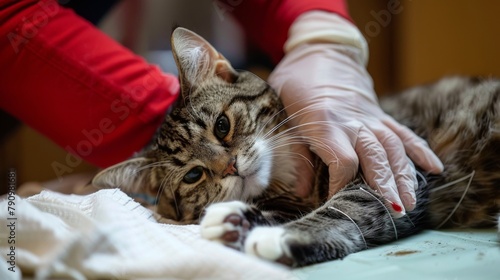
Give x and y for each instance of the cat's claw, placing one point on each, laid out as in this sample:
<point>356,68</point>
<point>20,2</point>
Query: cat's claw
<point>269,243</point>
<point>225,222</point>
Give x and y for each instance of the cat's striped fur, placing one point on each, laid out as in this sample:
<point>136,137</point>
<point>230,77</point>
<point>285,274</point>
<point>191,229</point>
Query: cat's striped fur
<point>226,153</point>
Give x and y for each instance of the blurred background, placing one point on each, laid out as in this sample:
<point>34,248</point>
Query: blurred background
<point>411,42</point>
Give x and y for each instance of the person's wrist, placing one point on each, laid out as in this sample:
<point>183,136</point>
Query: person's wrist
<point>325,27</point>
<point>335,65</point>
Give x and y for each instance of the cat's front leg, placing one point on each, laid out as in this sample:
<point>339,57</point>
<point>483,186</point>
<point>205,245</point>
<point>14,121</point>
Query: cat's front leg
<point>230,222</point>
<point>245,228</point>
<point>353,220</point>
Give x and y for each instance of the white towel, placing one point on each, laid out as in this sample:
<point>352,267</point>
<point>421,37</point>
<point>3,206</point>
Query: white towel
<point>108,235</point>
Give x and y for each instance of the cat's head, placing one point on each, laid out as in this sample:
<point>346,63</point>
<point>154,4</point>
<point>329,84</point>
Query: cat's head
<point>217,145</point>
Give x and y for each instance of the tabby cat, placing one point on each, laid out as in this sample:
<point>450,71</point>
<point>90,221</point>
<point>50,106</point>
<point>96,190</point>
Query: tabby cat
<point>224,158</point>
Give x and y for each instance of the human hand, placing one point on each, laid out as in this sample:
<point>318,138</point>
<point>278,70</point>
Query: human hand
<point>330,100</point>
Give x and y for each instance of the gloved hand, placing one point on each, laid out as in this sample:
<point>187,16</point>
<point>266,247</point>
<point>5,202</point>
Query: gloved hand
<point>329,96</point>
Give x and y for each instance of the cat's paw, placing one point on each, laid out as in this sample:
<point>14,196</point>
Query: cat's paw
<point>225,222</point>
<point>269,243</point>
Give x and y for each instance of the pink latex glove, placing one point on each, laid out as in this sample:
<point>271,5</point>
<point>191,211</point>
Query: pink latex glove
<point>329,95</point>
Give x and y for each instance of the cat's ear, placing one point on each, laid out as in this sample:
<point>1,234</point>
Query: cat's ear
<point>133,175</point>
<point>197,60</point>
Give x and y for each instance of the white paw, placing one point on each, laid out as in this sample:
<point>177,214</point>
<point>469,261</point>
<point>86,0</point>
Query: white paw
<point>268,243</point>
<point>225,223</point>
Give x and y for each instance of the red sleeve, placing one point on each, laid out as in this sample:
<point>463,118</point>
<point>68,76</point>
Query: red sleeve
<point>266,23</point>
<point>75,85</point>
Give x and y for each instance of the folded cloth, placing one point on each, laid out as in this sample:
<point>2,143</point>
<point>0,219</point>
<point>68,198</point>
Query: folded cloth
<point>108,235</point>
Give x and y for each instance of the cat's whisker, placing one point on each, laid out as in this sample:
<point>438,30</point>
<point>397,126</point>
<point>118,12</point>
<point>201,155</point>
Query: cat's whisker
<point>302,129</point>
<point>287,141</point>
<point>289,132</point>
<point>264,126</point>
<point>364,180</point>
<point>386,209</point>
<point>422,177</point>
<point>127,176</point>
<point>409,220</point>
<point>299,130</point>
<point>355,224</point>
<point>288,118</point>
<point>278,144</point>
<point>470,177</point>
<point>318,124</point>
<point>283,122</point>
<point>380,191</point>
<point>276,151</point>
<point>295,156</point>
<point>161,187</point>
<point>151,165</point>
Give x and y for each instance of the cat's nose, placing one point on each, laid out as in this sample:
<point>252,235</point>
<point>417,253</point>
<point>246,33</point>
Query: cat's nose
<point>231,168</point>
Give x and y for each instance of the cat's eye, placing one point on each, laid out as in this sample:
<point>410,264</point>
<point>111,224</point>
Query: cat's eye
<point>193,175</point>
<point>222,127</point>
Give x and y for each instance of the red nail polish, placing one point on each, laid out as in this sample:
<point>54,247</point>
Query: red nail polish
<point>396,207</point>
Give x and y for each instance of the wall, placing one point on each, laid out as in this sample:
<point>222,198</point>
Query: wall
<point>414,42</point>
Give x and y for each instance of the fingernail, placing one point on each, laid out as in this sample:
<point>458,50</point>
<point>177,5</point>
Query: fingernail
<point>396,207</point>
<point>397,210</point>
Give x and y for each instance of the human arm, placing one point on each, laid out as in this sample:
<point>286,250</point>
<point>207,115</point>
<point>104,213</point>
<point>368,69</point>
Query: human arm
<point>84,91</point>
